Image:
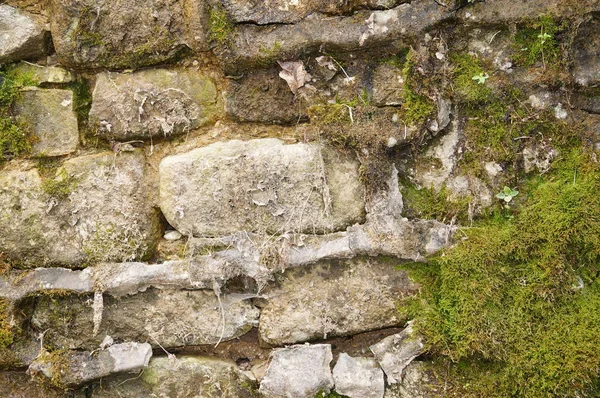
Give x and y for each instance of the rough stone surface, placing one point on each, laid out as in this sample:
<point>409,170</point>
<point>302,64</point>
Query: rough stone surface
<point>76,368</point>
<point>20,385</point>
<point>334,299</point>
<point>181,377</point>
<point>587,52</point>
<point>358,377</point>
<point>170,318</point>
<point>20,36</point>
<point>260,185</point>
<point>388,85</point>
<point>107,214</point>
<point>125,34</point>
<point>396,352</point>
<point>417,382</point>
<point>155,102</point>
<point>263,96</point>
<point>298,372</point>
<point>45,74</point>
<point>49,114</point>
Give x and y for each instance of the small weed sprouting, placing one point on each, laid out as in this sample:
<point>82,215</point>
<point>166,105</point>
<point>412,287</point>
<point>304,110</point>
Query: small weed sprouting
<point>537,43</point>
<point>507,195</point>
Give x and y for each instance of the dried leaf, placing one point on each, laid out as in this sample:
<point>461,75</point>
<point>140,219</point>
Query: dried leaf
<point>294,74</point>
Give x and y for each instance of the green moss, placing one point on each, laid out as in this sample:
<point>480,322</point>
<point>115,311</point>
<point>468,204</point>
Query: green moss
<point>417,108</point>
<point>464,68</point>
<point>269,56</point>
<point>333,394</point>
<point>221,28</point>
<point>538,43</point>
<point>6,330</point>
<point>427,204</point>
<point>520,297</point>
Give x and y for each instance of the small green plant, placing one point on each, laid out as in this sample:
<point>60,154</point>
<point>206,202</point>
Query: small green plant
<point>507,194</point>
<point>468,79</point>
<point>481,78</point>
<point>537,43</point>
<point>221,28</point>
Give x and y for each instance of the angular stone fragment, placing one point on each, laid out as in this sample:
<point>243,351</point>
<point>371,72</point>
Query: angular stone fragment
<point>586,52</point>
<point>20,36</point>
<point>260,185</point>
<point>44,74</point>
<point>417,382</point>
<point>395,352</point>
<point>299,371</point>
<point>262,96</point>
<point>75,368</point>
<point>125,34</point>
<point>388,85</point>
<point>154,102</point>
<point>170,318</point>
<point>98,208</point>
<point>50,116</point>
<point>355,296</point>
<point>358,377</point>
<point>182,377</point>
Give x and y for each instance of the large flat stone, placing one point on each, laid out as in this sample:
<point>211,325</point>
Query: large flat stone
<point>149,103</point>
<point>262,186</point>
<point>299,371</point>
<point>124,34</point>
<point>183,377</point>
<point>44,74</point>
<point>20,36</point>
<point>103,211</point>
<point>358,377</point>
<point>50,116</point>
<point>334,299</point>
<point>170,318</point>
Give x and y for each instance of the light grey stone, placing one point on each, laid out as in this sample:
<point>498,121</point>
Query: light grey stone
<point>50,116</point>
<point>181,377</point>
<point>76,368</point>
<point>299,371</point>
<point>44,74</point>
<point>417,382</point>
<point>103,212</point>
<point>151,103</point>
<point>388,85</point>
<point>169,318</point>
<point>260,186</point>
<point>396,352</point>
<point>357,295</point>
<point>586,48</point>
<point>358,377</point>
<point>20,36</point>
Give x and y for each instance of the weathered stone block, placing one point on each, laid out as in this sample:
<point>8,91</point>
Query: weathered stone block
<point>20,36</point>
<point>358,377</point>
<point>355,296</point>
<point>155,102</point>
<point>170,318</point>
<point>184,377</point>
<point>44,74</point>
<point>388,85</point>
<point>396,352</point>
<point>50,116</point>
<point>586,56</point>
<point>98,208</point>
<point>124,34</point>
<point>20,385</point>
<point>299,371</point>
<point>262,186</point>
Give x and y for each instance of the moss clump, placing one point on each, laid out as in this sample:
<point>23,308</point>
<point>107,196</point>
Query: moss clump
<point>464,68</point>
<point>520,298</point>
<point>220,26</point>
<point>6,330</point>
<point>417,108</point>
<point>333,394</point>
<point>55,182</point>
<point>427,204</point>
<point>538,43</point>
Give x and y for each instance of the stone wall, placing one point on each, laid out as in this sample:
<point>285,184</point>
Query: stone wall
<point>214,198</point>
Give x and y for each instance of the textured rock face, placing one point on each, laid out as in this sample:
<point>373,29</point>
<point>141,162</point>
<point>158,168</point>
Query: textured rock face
<point>156,102</point>
<point>358,377</point>
<point>298,371</point>
<point>121,34</point>
<point>170,318</point>
<point>19,385</point>
<point>20,36</point>
<point>98,208</point>
<point>44,74</point>
<point>417,382</point>
<point>388,85</point>
<point>184,377</point>
<point>49,113</point>
<point>350,297</point>
<point>587,51</point>
<point>259,185</point>
<point>396,352</point>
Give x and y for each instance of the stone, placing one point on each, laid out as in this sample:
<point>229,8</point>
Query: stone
<point>152,103</point>
<point>170,318</point>
<point>76,368</point>
<point>172,235</point>
<point>98,208</point>
<point>299,371</point>
<point>20,36</point>
<point>50,116</point>
<point>418,382</point>
<point>182,377</point>
<point>586,52</point>
<point>358,377</point>
<point>260,186</point>
<point>356,296</point>
<point>262,96</point>
<point>44,74</point>
<point>588,101</point>
<point>20,385</point>
<point>125,34</point>
<point>396,352</point>
<point>388,85</point>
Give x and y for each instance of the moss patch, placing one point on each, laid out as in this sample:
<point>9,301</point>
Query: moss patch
<point>220,26</point>
<point>427,204</point>
<point>417,108</point>
<point>538,43</point>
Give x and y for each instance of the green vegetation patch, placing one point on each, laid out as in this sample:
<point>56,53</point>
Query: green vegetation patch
<point>417,108</point>
<point>538,43</point>
<point>465,70</point>
<point>220,26</point>
<point>427,204</point>
<point>518,301</point>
